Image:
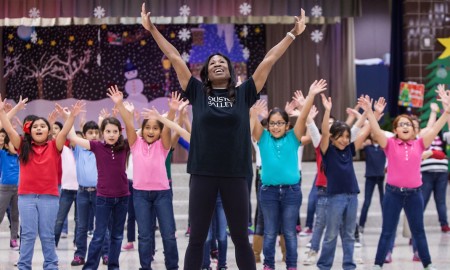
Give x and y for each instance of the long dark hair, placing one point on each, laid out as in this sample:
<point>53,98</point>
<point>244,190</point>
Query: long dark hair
<point>231,88</point>
<point>338,129</point>
<point>26,146</point>
<point>283,114</point>
<point>120,144</point>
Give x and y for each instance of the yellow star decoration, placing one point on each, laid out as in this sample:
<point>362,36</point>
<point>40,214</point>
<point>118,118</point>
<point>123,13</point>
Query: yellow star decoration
<point>90,42</point>
<point>71,38</point>
<point>103,26</point>
<point>10,49</point>
<point>446,43</point>
<point>28,46</point>
<point>143,42</point>
<point>172,35</point>
<point>257,30</point>
<point>40,42</point>
<point>53,43</point>
<point>10,36</point>
<point>125,34</point>
<point>241,34</point>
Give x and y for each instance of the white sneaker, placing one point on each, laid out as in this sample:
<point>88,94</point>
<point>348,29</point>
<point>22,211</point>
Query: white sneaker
<point>63,235</point>
<point>376,267</point>
<point>308,245</point>
<point>311,259</point>
<point>358,244</point>
<point>430,267</point>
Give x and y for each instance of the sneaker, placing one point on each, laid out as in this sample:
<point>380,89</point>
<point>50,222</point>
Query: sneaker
<point>416,257</point>
<point>358,244</point>
<point>63,235</point>
<point>105,259</point>
<point>445,229</point>
<point>14,244</point>
<point>308,245</point>
<point>214,254</point>
<point>376,267</point>
<point>15,263</point>
<point>90,234</point>
<point>128,247</point>
<point>311,259</point>
<point>361,229</point>
<point>298,228</point>
<point>222,268</point>
<point>430,267</point>
<point>188,232</point>
<point>306,232</point>
<point>77,260</point>
<point>388,258</point>
<point>267,268</point>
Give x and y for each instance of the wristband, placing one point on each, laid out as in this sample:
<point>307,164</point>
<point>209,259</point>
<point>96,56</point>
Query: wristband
<point>290,35</point>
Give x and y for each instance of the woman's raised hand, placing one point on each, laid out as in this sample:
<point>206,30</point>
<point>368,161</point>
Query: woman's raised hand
<point>145,16</point>
<point>300,23</point>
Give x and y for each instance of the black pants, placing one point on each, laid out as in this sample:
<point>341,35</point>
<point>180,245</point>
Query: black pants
<point>202,201</point>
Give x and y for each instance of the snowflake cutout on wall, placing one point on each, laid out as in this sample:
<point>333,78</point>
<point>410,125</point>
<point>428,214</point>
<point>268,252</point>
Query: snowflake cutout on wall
<point>99,12</point>
<point>34,13</point>
<point>185,10</point>
<point>316,11</point>
<point>246,53</point>
<point>245,31</point>
<point>34,37</point>
<point>184,34</point>
<point>316,36</point>
<point>245,8</point>
<point>185,56</point>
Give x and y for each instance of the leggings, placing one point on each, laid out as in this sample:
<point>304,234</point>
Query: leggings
<point>202,200</point>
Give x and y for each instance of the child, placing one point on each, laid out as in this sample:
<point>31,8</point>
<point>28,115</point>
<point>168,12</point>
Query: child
<point>337,152</point>
<point>112,190</point>
<point>280,194</point>
<point>403,188</point>
<point>151,190</point>
<point>38,185</point>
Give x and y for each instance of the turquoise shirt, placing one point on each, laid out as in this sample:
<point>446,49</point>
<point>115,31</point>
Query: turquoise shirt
<point>279,159</point>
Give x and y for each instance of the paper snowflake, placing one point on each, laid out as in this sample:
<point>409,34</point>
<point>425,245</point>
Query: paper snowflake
<point>99,12</point>
<point>246,53</point>
<point>316,36</point>
<point>185,10</point>
<point>245,9</point>
<point>185,56</point>
<point>316,11</point>
<point>34,13</point>
<point>245,31</point>
<point>184,34</point>
<point>34,37</point>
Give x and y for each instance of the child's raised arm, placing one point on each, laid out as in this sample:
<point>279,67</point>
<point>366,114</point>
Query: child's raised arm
<point>324,143</point>
<point>378,133</point>
<point>12,133</point>
<point>255,126</point>
<point>60,140</point>
<point>71,135</point>
<point>444,97</point>
<point>154,114</point>
<point>117,97</point>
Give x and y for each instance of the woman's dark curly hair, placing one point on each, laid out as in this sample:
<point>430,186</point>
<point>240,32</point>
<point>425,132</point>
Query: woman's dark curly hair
<point>120,144</point>
<point>26,146</point>
<point>231,88</point>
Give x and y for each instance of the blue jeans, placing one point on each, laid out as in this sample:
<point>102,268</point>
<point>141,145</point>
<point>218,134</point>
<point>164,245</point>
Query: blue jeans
<point>436,182</point>
<point>321,218</point>
<point>280,204</point>
<point>131,219</point>
<point>66,199</point>
<point>259,219</point>
<point>341,219</point>
<point>160,202</point>
<point>220,227</point>
<point>411,200</point>
<point>86,201</point>
<point>371,182</point>
<point>38,216</point>
<point>312,202</point>
<point>108,210</point>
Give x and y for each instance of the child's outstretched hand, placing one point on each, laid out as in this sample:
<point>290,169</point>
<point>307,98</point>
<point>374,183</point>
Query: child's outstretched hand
<point>326,102</point>
<point>379,105</point>
<point>318,87</point>
<point>115,94</point>
<point>59,110</point>
<point>175,101</point>
<point>77,108</point>
<point>21,105</point>
<point>365,103</point>
<point>299,99</point>
<point>129,106</point>
<point>53,116</point>
<point>313,112</point>
<point>150,113</point>
<point>259,107</point>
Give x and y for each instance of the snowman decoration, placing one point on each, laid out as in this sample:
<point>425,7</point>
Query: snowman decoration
<point>134,86</point>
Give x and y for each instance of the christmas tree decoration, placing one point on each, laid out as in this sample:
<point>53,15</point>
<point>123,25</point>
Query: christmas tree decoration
<point>99,12</point>
<point>184,34</point>
<point>316,11</point>
<point>245,9</point>
<point>316,36</point>
<point>441,73</point>
<point>244,32</point>
<point>185,10</point>
<point>34,13</point>
<point>446,43</point>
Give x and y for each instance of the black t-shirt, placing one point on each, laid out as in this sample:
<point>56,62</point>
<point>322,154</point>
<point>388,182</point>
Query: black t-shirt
<point>220,139</point>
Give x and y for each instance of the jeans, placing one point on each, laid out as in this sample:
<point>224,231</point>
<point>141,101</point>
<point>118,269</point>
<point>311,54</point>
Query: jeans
<point>321,219</point>
<point>66,199</point>
<point>221,232</point>
<point>8,198</point>
<point>131,219</point>
<point>371,182</point>
<point>259,218</point>
<point>38,216</point>
<point>65,227</point>
<point>86,201</point>
<point>160,201</point>
<point>436,182</point>
<point>280,204</point>
<point>108,210</point>
<point>341,219</point>
<point>312,202</point>
<point>411,200</point>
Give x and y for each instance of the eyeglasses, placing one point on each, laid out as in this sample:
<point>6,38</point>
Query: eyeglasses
<point>404,124</point>
<point>278,124</point>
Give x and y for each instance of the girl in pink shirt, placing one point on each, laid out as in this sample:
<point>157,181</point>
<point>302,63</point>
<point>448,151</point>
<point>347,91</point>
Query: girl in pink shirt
<point>403,188</point>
